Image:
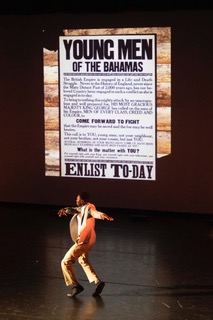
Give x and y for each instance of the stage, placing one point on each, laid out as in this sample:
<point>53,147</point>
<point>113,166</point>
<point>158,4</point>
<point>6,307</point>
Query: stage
<point>156,266</point>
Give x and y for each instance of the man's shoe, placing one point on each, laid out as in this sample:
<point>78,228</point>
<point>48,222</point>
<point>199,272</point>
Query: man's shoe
<point>99,289</point>
<point>75,290</point>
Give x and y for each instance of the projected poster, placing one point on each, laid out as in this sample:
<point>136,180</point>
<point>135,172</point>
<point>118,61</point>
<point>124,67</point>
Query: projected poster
<point>107,106</point>
<point>106,120</point>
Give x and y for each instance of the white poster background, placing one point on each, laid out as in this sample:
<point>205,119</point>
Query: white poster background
<point>108,106</point>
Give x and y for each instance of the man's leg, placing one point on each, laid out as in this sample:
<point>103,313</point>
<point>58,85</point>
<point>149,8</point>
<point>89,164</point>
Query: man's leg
<point>67,267</point>
<point>68,270</point>
<point>90,272</point>
<point>87,267</point>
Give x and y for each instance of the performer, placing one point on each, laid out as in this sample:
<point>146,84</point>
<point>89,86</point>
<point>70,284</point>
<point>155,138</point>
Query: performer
<point>82,230</point>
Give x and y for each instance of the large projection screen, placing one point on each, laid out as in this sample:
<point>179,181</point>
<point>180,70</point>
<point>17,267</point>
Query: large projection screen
<point>107,100</point>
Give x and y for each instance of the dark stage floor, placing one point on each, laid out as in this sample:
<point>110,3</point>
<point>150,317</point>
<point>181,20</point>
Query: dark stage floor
<point>156,266</point>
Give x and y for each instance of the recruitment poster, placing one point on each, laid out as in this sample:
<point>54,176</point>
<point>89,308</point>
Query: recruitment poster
<point>108,106</point>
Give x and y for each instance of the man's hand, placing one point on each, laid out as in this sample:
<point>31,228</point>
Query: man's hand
<point>105,216</point>
<point>62,212</point>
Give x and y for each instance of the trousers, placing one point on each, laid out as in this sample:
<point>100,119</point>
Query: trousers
<point>80,253</point>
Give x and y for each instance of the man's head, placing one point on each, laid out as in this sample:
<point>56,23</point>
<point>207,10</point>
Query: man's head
<point>82,198</point>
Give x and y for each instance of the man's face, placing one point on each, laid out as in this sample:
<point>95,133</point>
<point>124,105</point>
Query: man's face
<point>79,201</point>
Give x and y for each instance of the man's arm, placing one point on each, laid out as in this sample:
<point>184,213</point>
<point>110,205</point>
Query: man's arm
<point>98,214</point>
<point>68,210</point>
